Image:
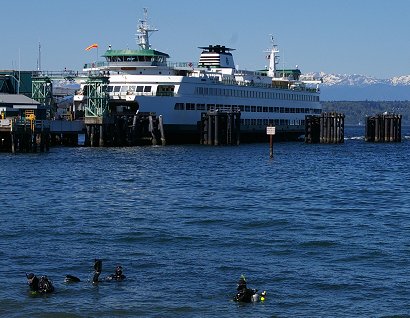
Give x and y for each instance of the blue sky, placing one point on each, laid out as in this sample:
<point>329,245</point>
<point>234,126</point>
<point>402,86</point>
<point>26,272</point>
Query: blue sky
<point>369,37</point>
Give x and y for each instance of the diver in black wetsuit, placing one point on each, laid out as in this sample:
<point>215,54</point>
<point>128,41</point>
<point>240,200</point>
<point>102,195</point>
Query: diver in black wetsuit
<point>244,294</point>
<point>118,275</point>
<point>32,282</point>
<point>42,285</point>
<point>248,295</point>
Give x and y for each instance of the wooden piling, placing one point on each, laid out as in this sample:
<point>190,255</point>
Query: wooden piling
<point>161,129</point>
<point>220,128</point>
<point>328,128</point>
<point>383,128</point>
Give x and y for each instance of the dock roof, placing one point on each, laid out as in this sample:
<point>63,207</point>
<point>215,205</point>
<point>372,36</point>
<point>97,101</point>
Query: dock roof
<point>16,100</point>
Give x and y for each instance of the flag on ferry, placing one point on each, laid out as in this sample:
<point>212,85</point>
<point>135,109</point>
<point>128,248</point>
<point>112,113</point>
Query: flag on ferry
<point>92,46</point>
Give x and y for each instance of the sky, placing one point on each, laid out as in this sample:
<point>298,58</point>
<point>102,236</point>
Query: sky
<point>367,37</point>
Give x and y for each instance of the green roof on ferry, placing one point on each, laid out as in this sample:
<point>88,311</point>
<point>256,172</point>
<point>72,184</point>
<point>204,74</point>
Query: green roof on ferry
<point>143,52</point>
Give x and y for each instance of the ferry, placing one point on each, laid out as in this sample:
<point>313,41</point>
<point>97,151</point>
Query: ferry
<point>143,80</point>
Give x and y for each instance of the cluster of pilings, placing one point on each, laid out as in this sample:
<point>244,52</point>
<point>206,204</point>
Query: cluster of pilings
<point>125,130</point>
<point>220,128</point>
<point>28,136</point>
<point>383,128</point>
<point>327,128</point>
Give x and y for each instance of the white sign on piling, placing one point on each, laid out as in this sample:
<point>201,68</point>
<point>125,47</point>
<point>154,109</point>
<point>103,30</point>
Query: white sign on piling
<point>270,130</point>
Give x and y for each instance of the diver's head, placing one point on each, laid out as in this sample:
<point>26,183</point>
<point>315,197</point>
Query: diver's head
<point>118,270</point>
<point>30,278</point>
<point>241,283</point>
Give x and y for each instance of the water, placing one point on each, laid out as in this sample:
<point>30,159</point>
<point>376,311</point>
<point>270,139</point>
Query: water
<point>322,228</point>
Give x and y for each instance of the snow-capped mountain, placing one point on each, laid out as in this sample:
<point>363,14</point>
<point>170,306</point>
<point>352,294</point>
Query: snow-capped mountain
<point>362,87</point>
<point>358,80</point>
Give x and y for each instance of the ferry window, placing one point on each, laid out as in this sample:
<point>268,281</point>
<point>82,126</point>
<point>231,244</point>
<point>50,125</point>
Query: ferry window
<point>190,106</point>
<point>271,109</point>
<point>206,91</point>
<point>282,109</point>
<point>259,109</point>
<point>210,106</point>
<point>253,109</point>
<point>265,122</point>
<point>124,89</point>
<point>253,121</point>
<point>271,121</point>
<point>247,121</point>
<point>247,108</point>
<point>242,121</point>
<point>179,106</point>
<point>131,88</point>
<point>117,89</point>
<point>140,89</point>
<point>147,89</point>
<point>287,110</point>
<point>292,110</point>
<point>109,89</point>
<point>200,106</point>
<point>265,109</point>
<point>276,109</point>
<point>259,122</point>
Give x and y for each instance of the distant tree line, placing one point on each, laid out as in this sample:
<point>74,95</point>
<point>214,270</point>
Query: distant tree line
<point>357,111</point>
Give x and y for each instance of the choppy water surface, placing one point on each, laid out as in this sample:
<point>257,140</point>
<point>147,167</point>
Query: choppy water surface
<point>324,229</point>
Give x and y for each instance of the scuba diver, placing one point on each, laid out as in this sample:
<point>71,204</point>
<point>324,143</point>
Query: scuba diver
<point>41,286</point>
<point>97,272</point>
<point>118,275</point>
<point>247,295</point>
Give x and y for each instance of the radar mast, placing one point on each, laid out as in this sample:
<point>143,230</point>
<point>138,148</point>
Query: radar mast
<point>273,58</point>
<point>143,32</point>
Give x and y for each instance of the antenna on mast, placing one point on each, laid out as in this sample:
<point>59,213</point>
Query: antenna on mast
<point>39,57</point>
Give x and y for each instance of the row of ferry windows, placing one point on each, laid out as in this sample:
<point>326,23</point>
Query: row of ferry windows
<point>254,94</point>
<point>130,88</point>
<point>242,108</point>
<point>275,122</point>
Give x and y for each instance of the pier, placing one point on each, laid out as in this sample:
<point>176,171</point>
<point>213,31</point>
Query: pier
<point>107,127</point>
<point>327,128</point>
<point>383,128</point>
<point>125,130</point>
